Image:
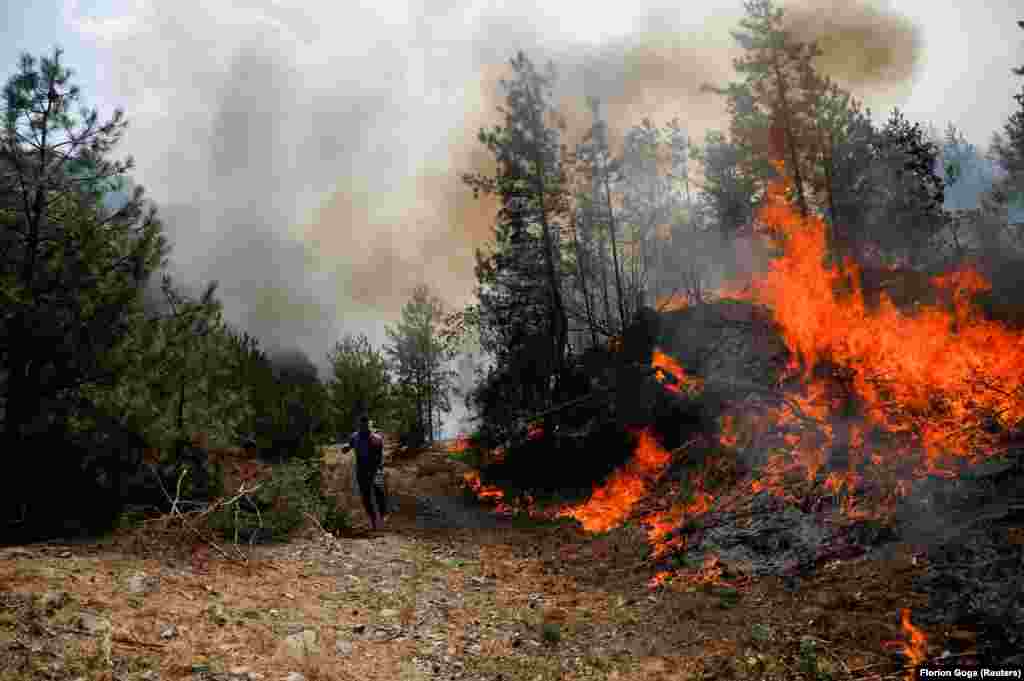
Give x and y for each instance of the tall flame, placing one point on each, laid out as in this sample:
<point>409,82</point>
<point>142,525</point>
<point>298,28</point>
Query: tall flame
<point>884,395</point>
<point>914,647</point>
<point>915,393</point>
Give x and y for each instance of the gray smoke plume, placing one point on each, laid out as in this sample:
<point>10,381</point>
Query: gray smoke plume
<point>307,157</point>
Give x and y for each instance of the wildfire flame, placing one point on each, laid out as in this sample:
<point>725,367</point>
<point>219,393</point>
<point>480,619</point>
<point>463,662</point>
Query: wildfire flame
<point>661,523</point>
<point>611,503</point>
<point>899,394</point>
<point>915,645</point>
<point>461,444</point>
<point>481,490</point>
<point>937,375</point>
<point>502,504</point>
<point>670,374</point>
<point>883,395</point>
<point>711,572</point>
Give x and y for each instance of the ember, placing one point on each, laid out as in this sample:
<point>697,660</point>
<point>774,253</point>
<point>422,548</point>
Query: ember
<point>711,573</point>
<point>660,525</point>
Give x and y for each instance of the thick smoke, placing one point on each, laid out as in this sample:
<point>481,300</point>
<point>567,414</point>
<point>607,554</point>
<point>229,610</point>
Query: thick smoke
<point>866,47</point>
<point>308,159</point>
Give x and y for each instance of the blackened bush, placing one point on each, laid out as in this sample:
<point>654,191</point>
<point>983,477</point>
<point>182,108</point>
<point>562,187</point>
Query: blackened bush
<point>677,418</point>
<point>557,463</point>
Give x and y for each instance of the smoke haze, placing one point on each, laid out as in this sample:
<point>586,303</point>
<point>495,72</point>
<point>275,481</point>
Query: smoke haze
<point>308,157</point>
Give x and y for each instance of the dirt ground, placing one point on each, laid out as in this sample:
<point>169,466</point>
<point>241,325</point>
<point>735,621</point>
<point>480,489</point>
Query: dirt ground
<point>448,590</point>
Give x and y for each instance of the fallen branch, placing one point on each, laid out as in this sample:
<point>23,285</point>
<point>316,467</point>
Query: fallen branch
<point>184,518</point>
<point>135,642</point>
<point>564,406</point>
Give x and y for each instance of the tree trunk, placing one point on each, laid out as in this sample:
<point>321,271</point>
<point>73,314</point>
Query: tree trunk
<point>839,245</point>
<point>790,141</point>
<point>181,407</point>
<point>608,317</point>
<point>430,411</point>
<point>557,316</point>
<point>581,265</point>
<point>615,251</point>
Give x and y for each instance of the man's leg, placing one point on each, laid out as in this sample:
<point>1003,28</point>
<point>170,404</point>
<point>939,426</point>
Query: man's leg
<point>366,492</point>
<point>382,499</point>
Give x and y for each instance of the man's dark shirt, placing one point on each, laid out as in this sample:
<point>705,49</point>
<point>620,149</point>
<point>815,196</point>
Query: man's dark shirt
<point>369,450</point>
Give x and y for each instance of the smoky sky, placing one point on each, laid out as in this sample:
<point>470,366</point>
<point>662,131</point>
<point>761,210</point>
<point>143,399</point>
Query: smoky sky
<point>307,156</point>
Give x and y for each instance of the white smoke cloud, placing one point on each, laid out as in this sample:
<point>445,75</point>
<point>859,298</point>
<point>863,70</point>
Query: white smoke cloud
<point>306,154</point>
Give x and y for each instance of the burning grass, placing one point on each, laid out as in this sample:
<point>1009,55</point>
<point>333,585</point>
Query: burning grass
<point>938,386</point>
<point>613,502</point>
<point>876,395</point>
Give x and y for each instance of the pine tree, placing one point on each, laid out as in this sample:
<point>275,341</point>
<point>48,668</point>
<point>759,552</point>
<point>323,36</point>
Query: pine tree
<point>421,356</point>
<point>1008,150</point>
<point>71,268</point>
<point>522,274</point>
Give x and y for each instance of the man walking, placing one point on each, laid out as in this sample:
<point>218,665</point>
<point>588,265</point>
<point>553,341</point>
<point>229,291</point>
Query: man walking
<point>369,458</point>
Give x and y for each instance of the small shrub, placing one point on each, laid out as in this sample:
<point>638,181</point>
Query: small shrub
<point>292,492</point>
<point>551,632</point>
<point>335,519</point>
<point>762,633</point>
<point>812,663</point>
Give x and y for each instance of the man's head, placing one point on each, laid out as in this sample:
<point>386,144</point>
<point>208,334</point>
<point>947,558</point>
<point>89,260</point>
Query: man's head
<point>364,423</point>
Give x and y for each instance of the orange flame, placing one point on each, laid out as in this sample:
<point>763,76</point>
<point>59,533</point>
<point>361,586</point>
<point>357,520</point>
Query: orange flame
<point>915,645</point>
<point>461,444</point>
<point>711,572</point>
<point>481,490</point>
<point>670,374</point>
<point>728,437</point>
<point>503,505</point>
<point>661,523</point>
<point>918,393</point>
<point>929,374</point>
<point>659,579</point>
<point>611,504</point>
